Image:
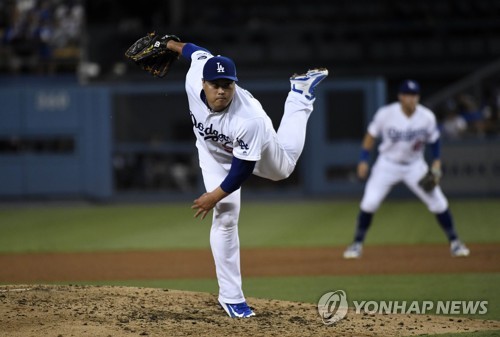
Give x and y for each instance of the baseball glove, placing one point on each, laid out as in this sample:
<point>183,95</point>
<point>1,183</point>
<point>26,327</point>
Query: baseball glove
<point>429,181</point>
<point>150,52</point>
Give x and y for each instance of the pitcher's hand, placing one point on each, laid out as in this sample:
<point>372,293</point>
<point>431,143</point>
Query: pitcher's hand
<point>207,201</point>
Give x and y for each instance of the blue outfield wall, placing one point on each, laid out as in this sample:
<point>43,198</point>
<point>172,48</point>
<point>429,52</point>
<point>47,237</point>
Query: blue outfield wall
<point>58,139</point>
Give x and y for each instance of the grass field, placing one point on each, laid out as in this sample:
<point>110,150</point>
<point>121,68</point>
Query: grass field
<point>83,228</point>
<point>275,224</point>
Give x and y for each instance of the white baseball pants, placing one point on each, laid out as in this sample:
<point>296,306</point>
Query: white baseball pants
<point>385,174</point>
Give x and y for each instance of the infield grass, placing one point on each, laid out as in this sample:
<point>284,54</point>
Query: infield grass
<point>271,224</point>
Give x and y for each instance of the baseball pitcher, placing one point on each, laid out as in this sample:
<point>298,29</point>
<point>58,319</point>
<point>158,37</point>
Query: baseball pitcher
<point>235,138</point>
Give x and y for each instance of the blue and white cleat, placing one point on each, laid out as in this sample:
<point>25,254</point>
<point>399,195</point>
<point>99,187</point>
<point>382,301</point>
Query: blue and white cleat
<point>354,251</point>
<point>238,310</point>
<point>306,83</point>
<point>459,249</point>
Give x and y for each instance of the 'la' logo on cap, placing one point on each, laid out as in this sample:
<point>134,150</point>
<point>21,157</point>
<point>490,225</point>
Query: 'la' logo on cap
<point>220,68</point>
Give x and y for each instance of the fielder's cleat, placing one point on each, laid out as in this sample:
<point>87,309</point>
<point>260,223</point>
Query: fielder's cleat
<point>238,310</point>
<point>459,249</point>
<point>306,83</point>
<point>354,251</point>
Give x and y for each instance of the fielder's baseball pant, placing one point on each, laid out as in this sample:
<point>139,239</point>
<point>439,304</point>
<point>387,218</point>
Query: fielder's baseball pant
<point>385,174</point>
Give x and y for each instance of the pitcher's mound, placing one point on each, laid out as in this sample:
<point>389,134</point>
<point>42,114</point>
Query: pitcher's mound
<point>50,310</point>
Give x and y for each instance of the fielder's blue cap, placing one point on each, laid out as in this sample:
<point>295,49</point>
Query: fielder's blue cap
<point>219,67</point>
<point>409,87</point>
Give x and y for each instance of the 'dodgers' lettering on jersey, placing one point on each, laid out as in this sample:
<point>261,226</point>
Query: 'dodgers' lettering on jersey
<point>209,133</point>
<point>406,135</point>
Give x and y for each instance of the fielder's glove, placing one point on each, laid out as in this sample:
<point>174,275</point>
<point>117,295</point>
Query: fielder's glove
<point>151,53</point>
<point>430,180</point>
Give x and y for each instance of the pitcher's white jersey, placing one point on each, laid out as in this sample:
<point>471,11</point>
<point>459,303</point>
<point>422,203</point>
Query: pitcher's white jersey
<point>403,138</point>
<point>242,130</point>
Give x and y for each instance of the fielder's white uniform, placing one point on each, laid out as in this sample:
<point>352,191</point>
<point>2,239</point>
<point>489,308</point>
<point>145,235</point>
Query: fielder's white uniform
<point>401,156</point>
<point>245,131</point>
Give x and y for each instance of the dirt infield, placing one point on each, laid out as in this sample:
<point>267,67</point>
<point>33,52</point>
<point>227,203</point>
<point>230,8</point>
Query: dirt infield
<point>35,310</point>
<point>72,267</point>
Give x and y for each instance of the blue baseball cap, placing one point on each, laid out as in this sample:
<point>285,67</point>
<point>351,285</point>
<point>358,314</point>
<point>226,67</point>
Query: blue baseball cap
<point>409,87</point>
<point>219,67</point>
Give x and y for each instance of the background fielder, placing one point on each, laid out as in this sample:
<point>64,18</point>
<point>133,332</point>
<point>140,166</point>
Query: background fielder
<point>236,138</point>
<point>405,128</point>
